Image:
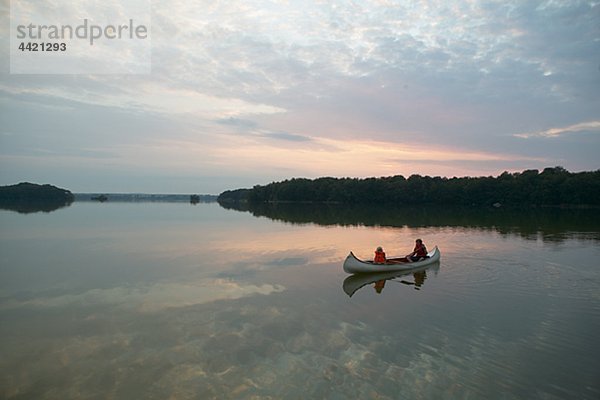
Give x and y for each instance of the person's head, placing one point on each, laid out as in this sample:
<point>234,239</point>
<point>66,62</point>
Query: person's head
<point>419,241</point>
<point>379,248</point>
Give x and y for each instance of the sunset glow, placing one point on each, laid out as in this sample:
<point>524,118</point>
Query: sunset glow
<point>246,93</point>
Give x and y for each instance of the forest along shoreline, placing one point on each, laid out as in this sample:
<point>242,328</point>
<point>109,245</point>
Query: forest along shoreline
<point>553,187</point>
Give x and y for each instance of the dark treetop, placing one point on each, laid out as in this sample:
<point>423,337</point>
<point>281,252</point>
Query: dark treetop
<point>552,187</point>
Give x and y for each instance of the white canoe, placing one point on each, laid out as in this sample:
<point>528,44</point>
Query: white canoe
<point>353,265</point>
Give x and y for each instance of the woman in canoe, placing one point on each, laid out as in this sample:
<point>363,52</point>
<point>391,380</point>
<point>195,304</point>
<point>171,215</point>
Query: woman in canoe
<point>419,252</point>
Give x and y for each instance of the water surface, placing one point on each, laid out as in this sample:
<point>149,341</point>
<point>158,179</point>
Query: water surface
<point>169,300</point>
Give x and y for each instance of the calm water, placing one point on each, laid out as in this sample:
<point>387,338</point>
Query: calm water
<point>173,301</point>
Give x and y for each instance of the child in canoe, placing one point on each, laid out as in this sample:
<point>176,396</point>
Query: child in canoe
<point>379,256</point>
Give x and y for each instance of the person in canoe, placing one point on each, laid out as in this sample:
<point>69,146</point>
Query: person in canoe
<point>379,256</point>
<point>419,252</point>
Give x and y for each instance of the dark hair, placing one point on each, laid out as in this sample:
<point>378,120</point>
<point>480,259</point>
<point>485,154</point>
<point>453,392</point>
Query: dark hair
<point>419,240</point>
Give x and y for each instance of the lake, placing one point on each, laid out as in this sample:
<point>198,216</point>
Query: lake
<point>180,301</point>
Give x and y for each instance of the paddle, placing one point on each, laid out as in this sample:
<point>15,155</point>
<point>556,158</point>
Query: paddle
<point>402,281</point>
<point>407,283</point>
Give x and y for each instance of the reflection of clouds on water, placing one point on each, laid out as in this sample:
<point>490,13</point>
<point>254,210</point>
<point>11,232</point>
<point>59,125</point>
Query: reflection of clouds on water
<point>235,349</point>
<point>254,310</point>
<point>260,350</point>
<point>277,346</point>
<point>248,264</point>
<point>152,298</point>
<point>288,261</point>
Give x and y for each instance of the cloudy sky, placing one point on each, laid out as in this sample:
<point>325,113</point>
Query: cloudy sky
<point>247,92</point>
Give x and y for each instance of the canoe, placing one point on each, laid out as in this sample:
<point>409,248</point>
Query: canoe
<point>356,281</point>
<point>353,265</point>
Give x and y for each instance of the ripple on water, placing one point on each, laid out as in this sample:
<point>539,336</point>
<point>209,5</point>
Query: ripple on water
<point>468,275</point>
<point>538,274</point>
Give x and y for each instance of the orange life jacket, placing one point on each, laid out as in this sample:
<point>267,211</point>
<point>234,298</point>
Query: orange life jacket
<point>379,257</point>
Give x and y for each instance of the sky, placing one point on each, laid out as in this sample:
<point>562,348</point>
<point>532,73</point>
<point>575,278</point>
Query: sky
<point>249,92</point>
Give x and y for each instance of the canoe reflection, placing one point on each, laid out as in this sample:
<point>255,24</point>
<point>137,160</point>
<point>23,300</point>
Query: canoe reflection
<point>414,277</point>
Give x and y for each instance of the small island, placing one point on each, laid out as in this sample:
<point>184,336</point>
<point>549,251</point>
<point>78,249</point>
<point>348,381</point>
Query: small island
<point>101,198</point>
<point>28,197</point>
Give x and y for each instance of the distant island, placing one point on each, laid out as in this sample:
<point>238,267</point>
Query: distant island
<point>552,187</point>
<point>145,197</point>
<point>28,197</point>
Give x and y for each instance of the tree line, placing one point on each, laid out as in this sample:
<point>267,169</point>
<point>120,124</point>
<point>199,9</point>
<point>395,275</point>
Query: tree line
<point>553,186</point>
